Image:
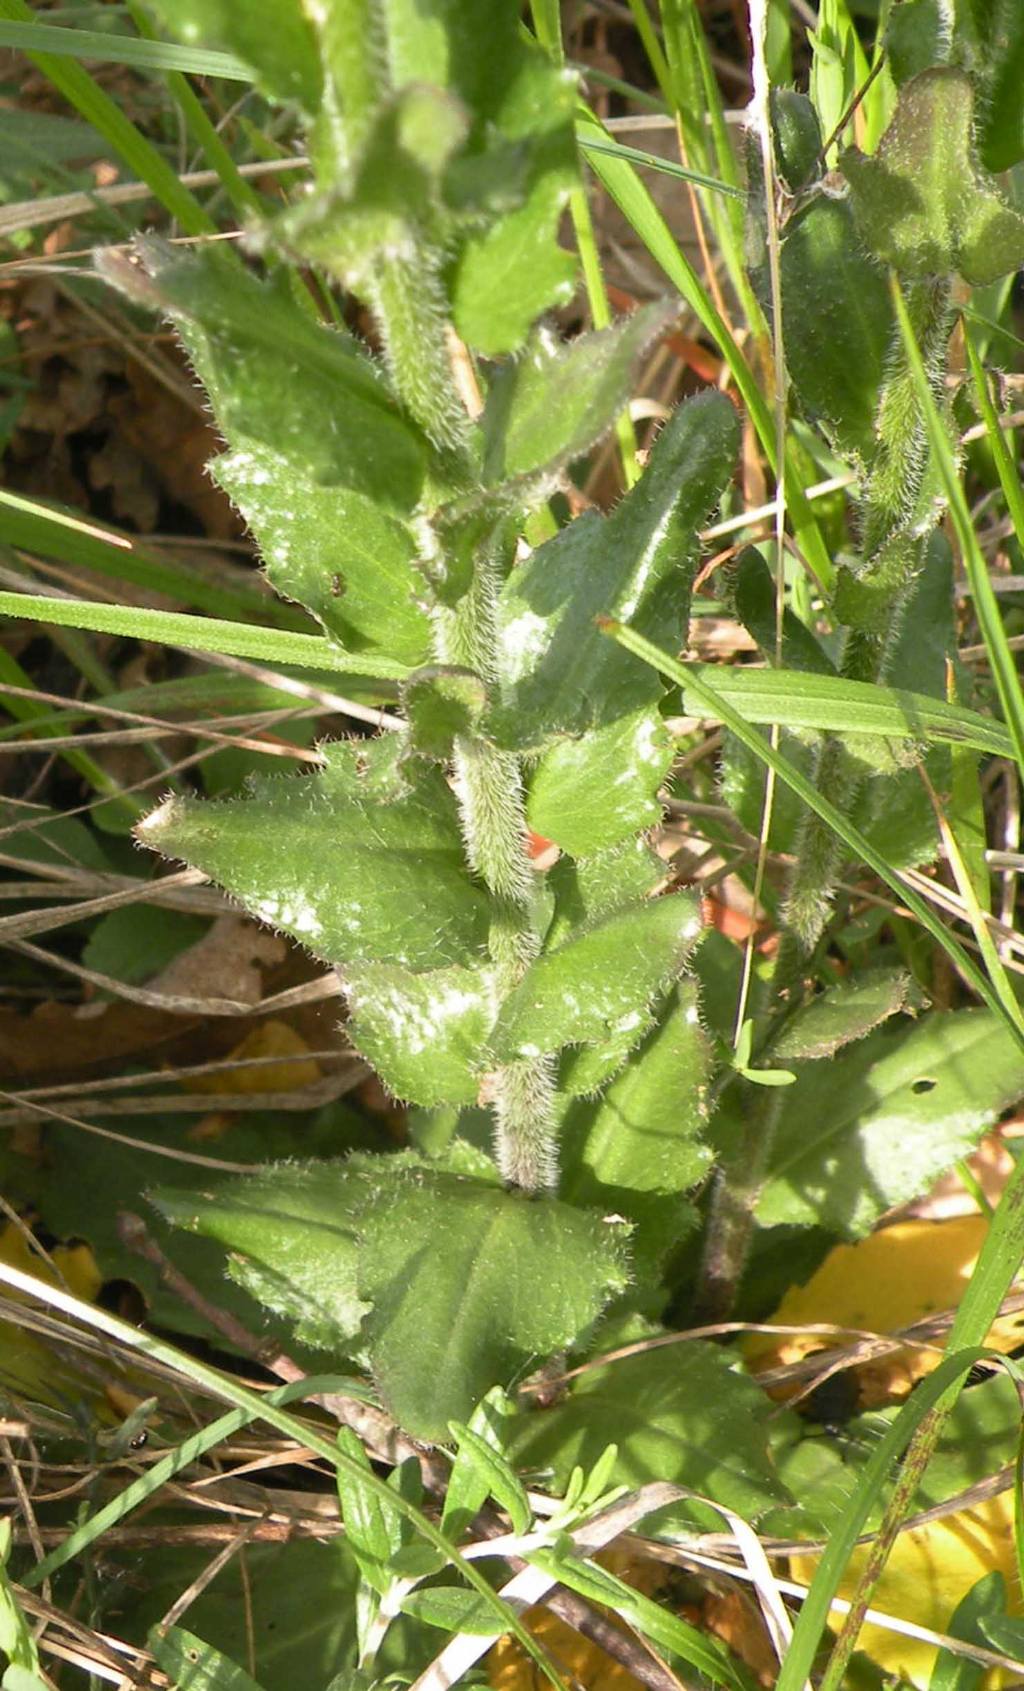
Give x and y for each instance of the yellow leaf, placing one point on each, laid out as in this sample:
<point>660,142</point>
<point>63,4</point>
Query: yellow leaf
<point>930,1570</point>
<point>889,1280</point>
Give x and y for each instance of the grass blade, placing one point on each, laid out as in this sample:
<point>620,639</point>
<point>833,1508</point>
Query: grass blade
<point>836,705</point>
<point>73,81</point>
<point>668,167</point>
<point>107,48</point>
<point>637,206</point>
<point>303,1432</point>
<point>201,634</point>
<point>717,705</point>
<point>986,606</point>
<point>54,533</point>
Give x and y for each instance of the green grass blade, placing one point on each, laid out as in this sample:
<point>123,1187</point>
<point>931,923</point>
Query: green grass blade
<point>835,705</point>
<point>241,193</point>
<point>986,606</point>
<point>996,1269</point>
<point>201,634</point>
<point>31,711</point>
<point>73,81</point>
<point>111,49</point>
<point>668,167</point>
<point>226,1388</point>
<point>634,201</point>
<point>795,1671</point>
<point>182,1456</point>
<point>718,706</point>
<point>53,533</point>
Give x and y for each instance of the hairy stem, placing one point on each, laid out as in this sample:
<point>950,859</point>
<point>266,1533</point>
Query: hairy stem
<point>489,789</point>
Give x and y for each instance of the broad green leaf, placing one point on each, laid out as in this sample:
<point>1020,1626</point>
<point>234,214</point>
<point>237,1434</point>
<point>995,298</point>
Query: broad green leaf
<point>361,862</point>
<point>754,602</point>
<point>425,1034</point>
<point>797,136</point>
<point>589,793</point>
<point>917,36</point>
<point>472,152</point>
<point>876,1125</point>
<point>333,550</point>
<point>682,1414</point>
<point>291,1229</point>
<point>191,1665</point>
<point>842,1013</point>
<point>799,699</point>
<point>922,202</point>
<point>589,888</point>
<point>559,675</point>
<point>454,1609</point>
<point>523,109</point>
<point>514,1277</point>
<point>639,1146</point>
<point>985,1602</point>
<point>296,1602</point>
<point>372,1530</point>
<point>837,322</point>
<point>596,987</point>
<point>990,39</point>
<point>278,42</point>
<point>278,379</point>
<point>550,405</point>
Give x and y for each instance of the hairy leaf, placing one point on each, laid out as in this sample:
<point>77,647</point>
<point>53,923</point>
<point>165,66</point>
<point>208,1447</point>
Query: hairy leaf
<point>590,888</point>
<point>639,1146</point>
<point>514,1277</point>
<point>277,42</point>
<point>681,1414</point>
<point>278,379</point>
<point>843,1013</point>
<point>837,322</point>
<point>292,1229</point>
<point>587,794</point>
<point>922,202</point>
<point>551,404</point>
<point>426,1034</point>
<point>333,550</point>
<point>876,1125</point>
<point>560,676</point>
<point>595,988</point>
<point>361,862</point>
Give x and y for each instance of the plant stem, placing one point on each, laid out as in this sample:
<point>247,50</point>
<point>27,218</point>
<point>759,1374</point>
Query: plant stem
<point>404,289</point>
<point>489,789</point>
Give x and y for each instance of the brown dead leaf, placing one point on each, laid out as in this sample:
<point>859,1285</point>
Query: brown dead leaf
<point>228,962</point>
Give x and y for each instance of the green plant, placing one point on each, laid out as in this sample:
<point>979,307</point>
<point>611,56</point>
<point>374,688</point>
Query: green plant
<point>608,1118</point>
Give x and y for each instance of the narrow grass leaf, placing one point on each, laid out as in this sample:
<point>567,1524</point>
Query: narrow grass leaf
<point>199,634</point>
<point>986,605</point>
<point>73,81</point>
<point>111,49</point>
<point>255,1408</point>
<point>716,705</point>
<point>800,699</point>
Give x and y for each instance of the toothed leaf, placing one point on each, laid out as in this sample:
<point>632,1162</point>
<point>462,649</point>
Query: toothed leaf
<point>362,861</point>
<point>562,676</point>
